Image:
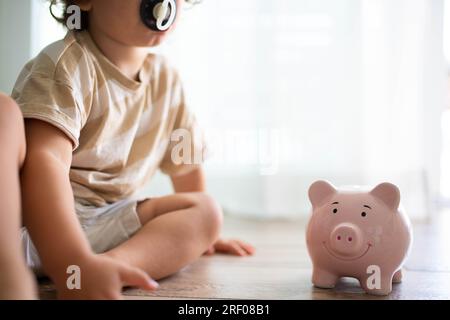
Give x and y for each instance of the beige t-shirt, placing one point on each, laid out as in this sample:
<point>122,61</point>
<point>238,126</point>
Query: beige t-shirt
<point>120,128</point>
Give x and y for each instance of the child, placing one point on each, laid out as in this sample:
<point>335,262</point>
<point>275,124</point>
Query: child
<point>99,116</point>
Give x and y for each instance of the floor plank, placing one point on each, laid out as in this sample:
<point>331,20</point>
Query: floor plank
<point>281,268</point>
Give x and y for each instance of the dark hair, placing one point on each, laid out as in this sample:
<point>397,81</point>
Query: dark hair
<point>64,4</point>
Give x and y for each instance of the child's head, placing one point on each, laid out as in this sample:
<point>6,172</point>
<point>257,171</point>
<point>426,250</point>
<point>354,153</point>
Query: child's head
<point>117,19</point>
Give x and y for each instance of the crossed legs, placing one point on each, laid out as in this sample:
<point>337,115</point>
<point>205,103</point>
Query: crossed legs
<point>177,230</point>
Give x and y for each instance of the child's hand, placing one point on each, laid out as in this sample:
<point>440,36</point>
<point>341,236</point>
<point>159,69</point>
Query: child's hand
<point>233,246</point>
<point>102,278</point>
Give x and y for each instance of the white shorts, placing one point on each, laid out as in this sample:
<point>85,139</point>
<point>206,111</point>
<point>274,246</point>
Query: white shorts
<point>105,228</point>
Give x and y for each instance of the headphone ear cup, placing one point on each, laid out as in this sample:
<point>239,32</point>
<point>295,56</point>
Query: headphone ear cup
<point>149,16</point>
<point>146,12</point>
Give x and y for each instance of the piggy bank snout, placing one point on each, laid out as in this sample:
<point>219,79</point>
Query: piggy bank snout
<point>346,239</point>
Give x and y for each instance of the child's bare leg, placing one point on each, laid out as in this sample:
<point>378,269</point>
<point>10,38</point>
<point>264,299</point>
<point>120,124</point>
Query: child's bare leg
<point>16,281</point>
<point>176,230</point>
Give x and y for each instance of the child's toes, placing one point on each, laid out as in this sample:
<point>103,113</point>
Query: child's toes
<point>237,250</point>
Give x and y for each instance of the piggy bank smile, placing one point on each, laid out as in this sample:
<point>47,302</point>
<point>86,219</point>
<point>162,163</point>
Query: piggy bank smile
<point>336,255</point>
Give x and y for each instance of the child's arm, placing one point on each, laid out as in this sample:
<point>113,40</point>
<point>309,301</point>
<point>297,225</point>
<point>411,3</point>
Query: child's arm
<point>194,181</point>
<point>49,215</point>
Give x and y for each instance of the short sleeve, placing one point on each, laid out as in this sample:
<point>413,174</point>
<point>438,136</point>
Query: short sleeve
<point>55,103</point>
<point>55,88</point>
<point>187,149</point>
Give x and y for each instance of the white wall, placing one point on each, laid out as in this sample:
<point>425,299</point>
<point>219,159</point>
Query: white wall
<point>287,69</point>
<point>26,27</point>
<point>353,88</point>
<point>288,92</point>
<point>15,40</point>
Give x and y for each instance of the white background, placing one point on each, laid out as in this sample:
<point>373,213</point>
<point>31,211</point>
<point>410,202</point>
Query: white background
<point>290,91</point>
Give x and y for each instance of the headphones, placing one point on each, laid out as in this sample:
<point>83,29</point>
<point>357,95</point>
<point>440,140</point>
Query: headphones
<point>158,15</point>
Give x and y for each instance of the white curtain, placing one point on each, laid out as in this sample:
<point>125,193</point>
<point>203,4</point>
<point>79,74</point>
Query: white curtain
<point>445,159</point>
<point>294,90</point>
<point>404,91</point>
<point>290,91</point>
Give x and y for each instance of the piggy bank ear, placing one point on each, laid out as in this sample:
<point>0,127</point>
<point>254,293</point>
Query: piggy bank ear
<point>388,193</point>
<point>319,191</point>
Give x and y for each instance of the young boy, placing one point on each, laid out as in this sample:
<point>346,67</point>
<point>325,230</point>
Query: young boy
<point>99,116</point>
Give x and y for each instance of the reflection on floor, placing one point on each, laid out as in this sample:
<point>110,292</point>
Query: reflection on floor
<point>281,268</point>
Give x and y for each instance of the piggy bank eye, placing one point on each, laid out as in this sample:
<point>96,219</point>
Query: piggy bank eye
<point>363,214</point>
<point>335,210</point>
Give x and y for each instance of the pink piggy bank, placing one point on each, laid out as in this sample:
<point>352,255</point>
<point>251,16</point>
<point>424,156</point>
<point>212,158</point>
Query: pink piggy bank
<point>357,234</point>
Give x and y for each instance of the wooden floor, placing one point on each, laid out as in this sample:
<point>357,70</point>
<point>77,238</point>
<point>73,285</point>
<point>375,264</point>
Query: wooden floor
<point>281,268</point>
